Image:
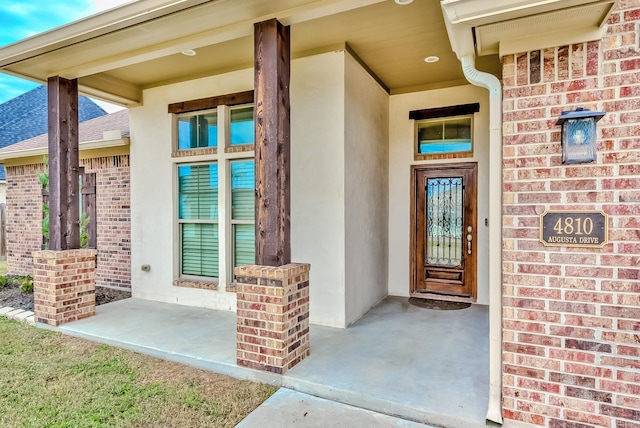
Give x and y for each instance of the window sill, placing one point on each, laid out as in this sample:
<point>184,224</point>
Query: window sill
<point>204,285</point>
<point>191,283</point>
<point>460,155</point>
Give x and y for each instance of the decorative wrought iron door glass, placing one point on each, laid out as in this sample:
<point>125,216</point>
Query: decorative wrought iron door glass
<point>444,221</point>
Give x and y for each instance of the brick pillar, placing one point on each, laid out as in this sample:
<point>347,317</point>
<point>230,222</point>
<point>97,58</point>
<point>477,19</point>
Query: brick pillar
<point>273,316</point>
<point>64,285</point>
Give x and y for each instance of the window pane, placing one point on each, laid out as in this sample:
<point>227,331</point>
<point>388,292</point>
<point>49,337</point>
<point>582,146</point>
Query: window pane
<point>244,248</point>
<point>445,136</point>
<point>198,192</point>
<point>242,190</point>
<point>242,131</point>
<point>445,147</point>
<point>198,131</point>
<point>430,131</point>
<point>199,249</point>
<point>458,129</point>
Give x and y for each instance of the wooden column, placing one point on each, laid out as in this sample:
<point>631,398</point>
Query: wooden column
<point>63,164</point>
<point>272,135</point>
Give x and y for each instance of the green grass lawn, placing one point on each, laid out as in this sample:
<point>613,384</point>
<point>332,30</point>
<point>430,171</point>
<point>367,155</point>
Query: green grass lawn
<point>51,380</point>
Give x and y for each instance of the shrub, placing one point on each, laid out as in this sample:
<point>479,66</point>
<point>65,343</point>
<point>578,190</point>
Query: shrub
<point>26,283</point>
<point>5,281</point>
<point>84,236</point>
<point>23,282</point>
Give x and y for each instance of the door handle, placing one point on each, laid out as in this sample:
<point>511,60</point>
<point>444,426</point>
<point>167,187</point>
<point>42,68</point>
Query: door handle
<point>469,239</point>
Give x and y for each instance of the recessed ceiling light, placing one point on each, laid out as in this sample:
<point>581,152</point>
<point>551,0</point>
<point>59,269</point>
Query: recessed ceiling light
<point>431,59</point>
<point>189,52</point>
<point>403,2</point>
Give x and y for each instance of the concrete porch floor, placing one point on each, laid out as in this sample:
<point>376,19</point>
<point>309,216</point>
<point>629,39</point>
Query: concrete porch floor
<point>428,366</point>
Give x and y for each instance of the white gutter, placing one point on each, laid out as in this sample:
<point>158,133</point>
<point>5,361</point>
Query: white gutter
<point>85,145</point>
<point>491,82</point>
<point>462,43</point>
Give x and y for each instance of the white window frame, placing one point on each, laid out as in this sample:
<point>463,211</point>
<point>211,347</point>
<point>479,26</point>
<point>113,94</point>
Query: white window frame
<point>225,228</point>
<point>194,221</point>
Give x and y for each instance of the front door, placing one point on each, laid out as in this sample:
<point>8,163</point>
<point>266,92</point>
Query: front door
<point>443,259</point>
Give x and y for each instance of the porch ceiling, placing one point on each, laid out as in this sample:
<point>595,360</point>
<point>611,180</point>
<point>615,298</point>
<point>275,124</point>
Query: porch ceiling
<point>120,52</point>
<point>120,61</point>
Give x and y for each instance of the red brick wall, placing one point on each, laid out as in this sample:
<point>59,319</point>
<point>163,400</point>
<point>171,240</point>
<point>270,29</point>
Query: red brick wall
<point>113,216</point>
<point>571,318</point>
<point>113,204</point>
<point>24,217</point>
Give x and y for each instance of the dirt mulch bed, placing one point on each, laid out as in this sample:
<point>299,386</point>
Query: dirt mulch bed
<point>12,296</point>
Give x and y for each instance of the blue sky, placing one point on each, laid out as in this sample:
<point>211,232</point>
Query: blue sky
<point>20,19</point>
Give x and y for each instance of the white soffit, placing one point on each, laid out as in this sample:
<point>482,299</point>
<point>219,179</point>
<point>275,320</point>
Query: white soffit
<point>557,28</point>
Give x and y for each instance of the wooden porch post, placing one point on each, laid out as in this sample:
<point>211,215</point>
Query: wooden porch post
<point>283,341</point>
<point>63,164</point>
<point>64,275</point>
<point>272,135</point>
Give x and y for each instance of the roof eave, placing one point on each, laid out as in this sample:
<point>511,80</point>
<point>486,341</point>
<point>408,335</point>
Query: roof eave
<point>92,26</point>
<point>22,59</point>
<point>511,26</point>
<point>85,145</point>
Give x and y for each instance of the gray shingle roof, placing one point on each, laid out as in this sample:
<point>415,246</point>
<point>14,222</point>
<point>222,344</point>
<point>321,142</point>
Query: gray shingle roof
<point>90,130</point>
<point>25,116</point>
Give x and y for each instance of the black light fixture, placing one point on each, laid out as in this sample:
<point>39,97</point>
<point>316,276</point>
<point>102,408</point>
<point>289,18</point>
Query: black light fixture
<point>579,135</point>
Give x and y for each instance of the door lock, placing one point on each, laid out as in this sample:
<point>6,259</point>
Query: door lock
<point>469,239</point>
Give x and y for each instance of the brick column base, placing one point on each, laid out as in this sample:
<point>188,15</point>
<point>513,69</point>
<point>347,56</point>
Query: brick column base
<point>273,316</point>
<point>64,285</point>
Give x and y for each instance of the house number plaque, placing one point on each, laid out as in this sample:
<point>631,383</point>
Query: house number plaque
<point>574,228</point>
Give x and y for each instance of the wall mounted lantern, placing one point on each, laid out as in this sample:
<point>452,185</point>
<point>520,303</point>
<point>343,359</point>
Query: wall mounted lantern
<point>579,135</point>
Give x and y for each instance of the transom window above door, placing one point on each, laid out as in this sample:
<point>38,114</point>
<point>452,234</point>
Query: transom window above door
<point>444,132</point>
<point>449,135</point>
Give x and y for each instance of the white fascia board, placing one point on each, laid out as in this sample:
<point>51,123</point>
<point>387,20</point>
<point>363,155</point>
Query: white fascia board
<point>127,15</point>
<point>85,145</point>
<point>478,12</point>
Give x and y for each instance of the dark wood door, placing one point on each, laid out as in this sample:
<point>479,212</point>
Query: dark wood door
<point>444,229</point>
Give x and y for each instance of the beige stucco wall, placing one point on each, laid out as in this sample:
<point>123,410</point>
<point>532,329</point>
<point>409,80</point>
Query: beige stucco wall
<point>153,195</point>
<point>401,157</point>
<point>366,184</point>
<point>317,185</point>
<point>317,181</point>
<point>350,189</point>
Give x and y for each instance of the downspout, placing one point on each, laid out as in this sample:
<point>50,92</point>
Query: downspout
<point>491,82</point>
